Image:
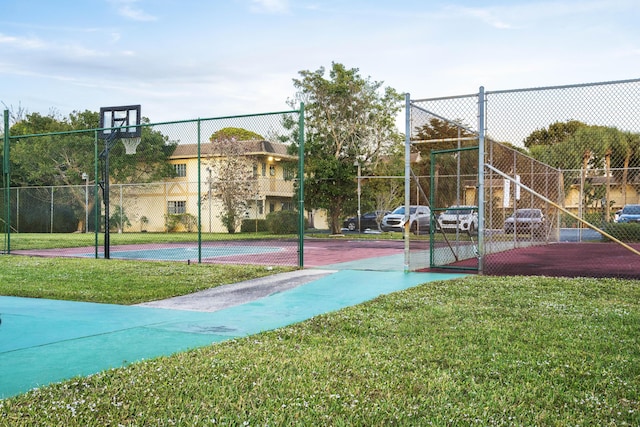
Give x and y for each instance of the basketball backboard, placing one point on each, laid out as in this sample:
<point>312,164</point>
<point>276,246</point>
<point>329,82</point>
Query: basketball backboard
<point>124,119</point>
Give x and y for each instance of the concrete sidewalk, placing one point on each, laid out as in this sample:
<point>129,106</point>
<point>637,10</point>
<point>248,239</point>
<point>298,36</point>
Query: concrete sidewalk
<point>225,296</point>
<point>46,341</point>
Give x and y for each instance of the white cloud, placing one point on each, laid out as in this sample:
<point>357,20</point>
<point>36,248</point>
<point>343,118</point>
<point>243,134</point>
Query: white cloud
<point>270,6</point>
<point>128,9</point>
<point>21,42</point>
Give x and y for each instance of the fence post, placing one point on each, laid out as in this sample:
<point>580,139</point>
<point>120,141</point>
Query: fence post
<point>7,182</point>
<point>481,155</point>
<point>200,197</point>
<point>407,179</point>
<point>301,187</point>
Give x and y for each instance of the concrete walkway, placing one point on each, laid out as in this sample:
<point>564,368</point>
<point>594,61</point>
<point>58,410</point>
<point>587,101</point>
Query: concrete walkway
<point>46,341</point>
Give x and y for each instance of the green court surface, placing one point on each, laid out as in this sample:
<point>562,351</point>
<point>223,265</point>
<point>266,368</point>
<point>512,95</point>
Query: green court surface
<point>46,341</point>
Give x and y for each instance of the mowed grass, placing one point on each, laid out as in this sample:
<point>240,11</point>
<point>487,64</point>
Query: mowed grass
<point>474,351</point>
<point>27,241</point>
<point>115,281</point>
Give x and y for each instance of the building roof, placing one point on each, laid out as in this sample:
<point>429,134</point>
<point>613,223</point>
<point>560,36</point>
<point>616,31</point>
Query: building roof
<point>249,148</point>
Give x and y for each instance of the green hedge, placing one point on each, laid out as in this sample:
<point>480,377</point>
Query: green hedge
<point>283,222</point>
<point>626,232</point>
<point>253,225</point>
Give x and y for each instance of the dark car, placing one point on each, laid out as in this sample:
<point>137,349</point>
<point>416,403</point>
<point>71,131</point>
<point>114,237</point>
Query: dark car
<point>368,220</point>
<point>630,213</point>
<point>525,221</point>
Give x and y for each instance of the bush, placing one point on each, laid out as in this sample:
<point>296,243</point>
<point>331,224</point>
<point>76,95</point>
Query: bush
<point>283,222</point>
<point>253,225</point>
<point>180,222</point>
<point>625,232</point>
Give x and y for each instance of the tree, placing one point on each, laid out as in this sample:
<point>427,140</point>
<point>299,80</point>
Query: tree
<point>439,134</point>
<point>238,134</point>
<point>595,150</point>
<point>62,154</point>
<point>556,132</point>
<point>386,189</point>
<point>348,119</point>
<point>234,183</point>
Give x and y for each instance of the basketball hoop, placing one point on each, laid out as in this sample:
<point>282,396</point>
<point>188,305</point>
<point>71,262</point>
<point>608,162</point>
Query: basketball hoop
<point>130,144</point>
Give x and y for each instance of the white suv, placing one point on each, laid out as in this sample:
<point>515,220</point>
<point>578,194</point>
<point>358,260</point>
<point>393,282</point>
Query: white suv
<point>459,218</point>
<point>419,219</point>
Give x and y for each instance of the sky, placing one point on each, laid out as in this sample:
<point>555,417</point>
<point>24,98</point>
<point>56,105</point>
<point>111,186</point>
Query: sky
<point>187,59</point>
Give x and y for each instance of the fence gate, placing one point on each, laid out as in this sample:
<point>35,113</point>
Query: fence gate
<point>548,171</point>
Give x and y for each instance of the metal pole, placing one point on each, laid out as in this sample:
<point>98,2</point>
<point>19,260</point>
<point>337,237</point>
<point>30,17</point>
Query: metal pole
<point>200,198</point>
<point>359,193</point>
<point>86,201</point>
<point>7,182</point>
<point>301,187</point>
<point>96,210</point>
<point>105,198</point>
<point>481,155</point>
<point>407,179</point>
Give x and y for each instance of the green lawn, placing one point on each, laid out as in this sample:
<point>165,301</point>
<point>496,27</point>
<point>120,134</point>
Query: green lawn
<point>475,351</point>
<point>22,241</point>
<point>116,281</point>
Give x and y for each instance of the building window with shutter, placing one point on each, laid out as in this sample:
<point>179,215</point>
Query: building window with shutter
<point>181,169</point>
<point>176,207</point>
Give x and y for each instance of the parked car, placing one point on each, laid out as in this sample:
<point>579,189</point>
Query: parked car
<point>630,213</point>
<point>525,221</point>
<point>368,220</point>
<point>419,219</point>
<point>459,218</point>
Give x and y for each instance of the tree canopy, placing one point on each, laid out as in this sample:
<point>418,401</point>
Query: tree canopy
<point>63,153</point>
<point>239,134</point>
<point>349,120</point>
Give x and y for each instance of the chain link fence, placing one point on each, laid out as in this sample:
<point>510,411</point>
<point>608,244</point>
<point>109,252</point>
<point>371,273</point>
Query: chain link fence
<point>559,176</point>
<point>208,190</point>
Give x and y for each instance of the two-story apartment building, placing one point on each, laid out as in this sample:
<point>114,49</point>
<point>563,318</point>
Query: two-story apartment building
<point>271,178</point>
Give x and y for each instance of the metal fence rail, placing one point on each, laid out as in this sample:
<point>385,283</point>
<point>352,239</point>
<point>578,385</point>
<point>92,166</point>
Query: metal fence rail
<point>191,183</point>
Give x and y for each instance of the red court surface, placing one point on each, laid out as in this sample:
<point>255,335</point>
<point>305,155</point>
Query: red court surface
<point>564,260</point>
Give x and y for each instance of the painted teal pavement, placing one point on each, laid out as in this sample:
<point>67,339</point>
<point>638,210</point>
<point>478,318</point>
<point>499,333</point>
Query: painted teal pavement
<point>46,341</point>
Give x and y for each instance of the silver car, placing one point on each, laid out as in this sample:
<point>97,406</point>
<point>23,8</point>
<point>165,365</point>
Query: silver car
<point>525,221</point>
<point>419,219</point>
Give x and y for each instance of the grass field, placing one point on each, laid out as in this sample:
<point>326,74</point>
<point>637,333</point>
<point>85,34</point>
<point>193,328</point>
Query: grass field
<point>474,351</point>
<point>24,241</point>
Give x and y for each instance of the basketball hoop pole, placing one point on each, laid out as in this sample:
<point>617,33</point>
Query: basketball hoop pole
<point>116,123</point>
<point>108,143</point>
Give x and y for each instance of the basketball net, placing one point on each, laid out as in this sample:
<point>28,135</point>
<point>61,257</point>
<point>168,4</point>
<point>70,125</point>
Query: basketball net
<point>130,144</point>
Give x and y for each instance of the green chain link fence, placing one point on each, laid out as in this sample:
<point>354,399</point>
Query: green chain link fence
<point>220,190</point>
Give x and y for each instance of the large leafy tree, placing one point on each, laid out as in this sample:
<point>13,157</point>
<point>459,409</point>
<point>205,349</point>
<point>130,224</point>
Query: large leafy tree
<point>595,150</point>
<point>61,153</point>
<point>437,134</point>
<point>555,133</point>
<point>349,119</point>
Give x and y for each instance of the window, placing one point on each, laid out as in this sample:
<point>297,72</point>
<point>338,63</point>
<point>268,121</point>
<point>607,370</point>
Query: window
<point>177,207</point>
<point>272,170</point>
<point>181,169</point>
<point>260,207</point>
<point>264,169</point>
<point>289,172</point>
<point>272,207</point>
<point>255,170</point>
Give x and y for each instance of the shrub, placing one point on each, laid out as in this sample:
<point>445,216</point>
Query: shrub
<point>283,222</point>
<point>180,222</point>
<point>253,225</point>
<point>626,232</point>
